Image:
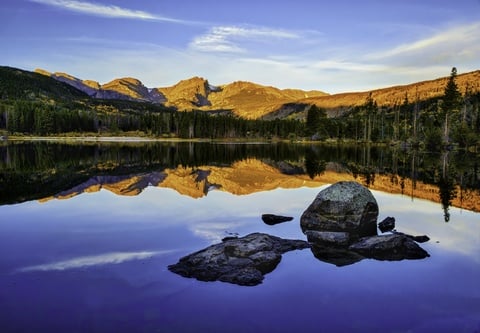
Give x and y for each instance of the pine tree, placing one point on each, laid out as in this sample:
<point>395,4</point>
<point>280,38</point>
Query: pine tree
<point>451,103</point>
<point>316,117</point>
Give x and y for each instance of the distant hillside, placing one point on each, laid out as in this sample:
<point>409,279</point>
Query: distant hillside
<point>19,84</point>
<point>338,103</point>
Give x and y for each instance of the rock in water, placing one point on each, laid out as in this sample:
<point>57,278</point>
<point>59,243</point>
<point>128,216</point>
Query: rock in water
<point>242,261</point>
<point>272,219</point>
<point>343,207</point>
<point>391,247</point>
<point>328,238</point>
<point>387,224</point>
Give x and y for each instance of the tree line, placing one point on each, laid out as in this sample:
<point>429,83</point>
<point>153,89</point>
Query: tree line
<point>451,119</point>
<point>38,118</point>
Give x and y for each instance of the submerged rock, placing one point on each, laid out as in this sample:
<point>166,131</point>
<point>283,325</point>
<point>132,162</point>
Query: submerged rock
<point>418,239</point>
<point>344,206</point>
<point>336,256</point>
<point>243,261</point>
<point>272,219</point>
<point>328,238</point>
<point>387,224</point>
<point>391,247</point>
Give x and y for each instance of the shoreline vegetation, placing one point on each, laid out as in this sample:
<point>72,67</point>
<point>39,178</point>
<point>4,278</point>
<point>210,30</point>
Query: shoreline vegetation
<point>136,138</point>
<point>89,137</point>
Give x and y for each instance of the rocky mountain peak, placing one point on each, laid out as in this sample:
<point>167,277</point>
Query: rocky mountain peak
<point>128,86</point>
<point>188,93</point>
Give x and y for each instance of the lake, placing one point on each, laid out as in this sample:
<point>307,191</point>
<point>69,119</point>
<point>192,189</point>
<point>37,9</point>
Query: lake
<point>87,232</point>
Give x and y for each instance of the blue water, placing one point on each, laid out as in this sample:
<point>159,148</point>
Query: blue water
<point>98,263</point>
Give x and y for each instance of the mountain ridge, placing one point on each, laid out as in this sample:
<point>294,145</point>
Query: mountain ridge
<point>242,98</point>
<point>253,101</point>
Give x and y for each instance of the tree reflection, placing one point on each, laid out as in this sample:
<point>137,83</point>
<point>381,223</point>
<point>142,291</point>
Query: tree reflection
<point>314,166</point>
<point>446,185</point>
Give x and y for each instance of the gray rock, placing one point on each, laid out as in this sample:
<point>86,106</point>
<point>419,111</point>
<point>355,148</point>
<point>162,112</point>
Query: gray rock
<point>343,206</point>
<point>391,247</point>
<point>242,261</point>
<point>387,224</point>
<point>272,219</point>
<point>328,238</point>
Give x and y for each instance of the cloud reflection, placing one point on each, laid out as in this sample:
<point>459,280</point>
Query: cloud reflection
<point>87,261</point>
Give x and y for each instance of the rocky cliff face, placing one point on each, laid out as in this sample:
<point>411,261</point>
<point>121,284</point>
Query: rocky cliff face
<point>187,94</point>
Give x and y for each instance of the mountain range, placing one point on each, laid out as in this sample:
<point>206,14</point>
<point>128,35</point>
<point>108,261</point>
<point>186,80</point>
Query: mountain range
<point>252,101</point>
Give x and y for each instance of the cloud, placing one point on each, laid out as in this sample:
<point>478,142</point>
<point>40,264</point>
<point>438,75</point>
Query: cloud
<point>102,259</point>
<point>109,11</point>
<point>228,38</point>
<point>449,44</point>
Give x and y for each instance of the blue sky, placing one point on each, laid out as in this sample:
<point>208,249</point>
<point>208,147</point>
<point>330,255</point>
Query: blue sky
<point>334,46</point>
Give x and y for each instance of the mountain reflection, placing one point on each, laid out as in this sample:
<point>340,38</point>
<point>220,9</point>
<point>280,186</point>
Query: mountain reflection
<point>46,170</point>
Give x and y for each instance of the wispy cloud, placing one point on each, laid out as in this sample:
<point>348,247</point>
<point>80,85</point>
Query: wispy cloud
<point>109,11</point>
<point>229,38</point>
<point>102,259</point>
<point>454,40</point>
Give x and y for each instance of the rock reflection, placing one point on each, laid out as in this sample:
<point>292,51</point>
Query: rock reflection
<point>336,256</point>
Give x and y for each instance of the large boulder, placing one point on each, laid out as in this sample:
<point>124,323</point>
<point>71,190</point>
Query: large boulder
<point>343,207</point>
<point>242,261</point>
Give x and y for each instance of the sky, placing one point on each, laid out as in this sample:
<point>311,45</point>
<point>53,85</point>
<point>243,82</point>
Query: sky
<point>333,46</point>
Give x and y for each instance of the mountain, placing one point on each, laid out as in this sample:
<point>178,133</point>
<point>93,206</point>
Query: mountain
<point>188,94</point>
<point>252,101</point>
<point>124,88</point>
<point>244,99</point>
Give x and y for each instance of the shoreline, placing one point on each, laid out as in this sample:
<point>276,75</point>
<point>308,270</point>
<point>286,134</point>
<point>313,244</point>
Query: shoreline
<point>142,139</point>
<point>128,139</point>
<point>95,139</point>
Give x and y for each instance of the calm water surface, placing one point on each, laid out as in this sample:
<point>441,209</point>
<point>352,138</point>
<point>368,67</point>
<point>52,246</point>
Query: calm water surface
<point>97,261</point>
